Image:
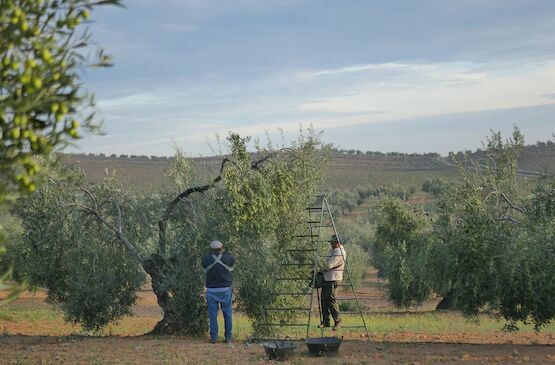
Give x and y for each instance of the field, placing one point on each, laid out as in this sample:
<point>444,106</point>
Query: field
<point>347,172</point>
<point>32,332</point>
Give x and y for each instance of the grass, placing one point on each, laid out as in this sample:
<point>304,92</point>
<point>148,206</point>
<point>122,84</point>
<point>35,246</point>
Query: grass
<point>379,324</point>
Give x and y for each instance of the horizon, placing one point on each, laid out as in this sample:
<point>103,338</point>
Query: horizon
<point>335,149</point>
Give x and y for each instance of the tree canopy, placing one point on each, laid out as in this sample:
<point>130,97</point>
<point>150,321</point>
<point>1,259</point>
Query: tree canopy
<point>43,106</point>
<point>487,244</point>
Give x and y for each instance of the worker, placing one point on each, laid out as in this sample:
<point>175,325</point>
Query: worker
<point>334,266</point>
<point>218,266</point>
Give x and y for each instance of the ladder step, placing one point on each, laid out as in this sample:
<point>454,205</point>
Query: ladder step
<point>289,309</point>
<point>353,326</point>
<point>284,324</point>
<point>310,222</point>
<point>314,208</point>
<point>350,313</point>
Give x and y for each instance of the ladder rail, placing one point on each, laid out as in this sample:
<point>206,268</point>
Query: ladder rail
<point>315,267</point>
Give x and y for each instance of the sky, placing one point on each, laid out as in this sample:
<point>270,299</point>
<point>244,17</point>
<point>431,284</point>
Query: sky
<point>407,76</point>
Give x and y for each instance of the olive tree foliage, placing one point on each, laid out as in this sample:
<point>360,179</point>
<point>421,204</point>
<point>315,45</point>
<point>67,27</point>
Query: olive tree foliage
<point>252,205</point>
<point>490,239</point>
<point>42,52</point>
<point>83,268</point>
<point>399,252</point>
<point>265,211</point>
<point>42,101</point>
<point>356,237</point>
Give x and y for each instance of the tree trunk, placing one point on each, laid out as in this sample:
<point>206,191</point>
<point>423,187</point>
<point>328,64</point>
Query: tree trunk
<point>172,323</point>
<point>448,302</point>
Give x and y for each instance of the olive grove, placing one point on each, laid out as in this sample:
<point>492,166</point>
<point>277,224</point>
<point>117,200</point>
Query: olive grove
<point>90,245</point>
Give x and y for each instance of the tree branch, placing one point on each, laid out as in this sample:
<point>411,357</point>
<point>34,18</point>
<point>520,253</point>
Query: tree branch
<point>511,204</point>
<point>508,219</point>
<point>118,231</point>
<point>162,223</point>
<point>422,211</point>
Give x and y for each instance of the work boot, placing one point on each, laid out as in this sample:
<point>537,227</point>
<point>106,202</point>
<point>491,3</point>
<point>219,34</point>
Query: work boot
<point>337,326</point>
<point>324,325</point>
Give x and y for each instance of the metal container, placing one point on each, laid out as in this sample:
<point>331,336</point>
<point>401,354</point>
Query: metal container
<point>323,345</point>
<point>279,350</point>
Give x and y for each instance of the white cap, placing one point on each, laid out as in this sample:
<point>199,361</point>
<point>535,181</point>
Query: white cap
<point>216,245</point>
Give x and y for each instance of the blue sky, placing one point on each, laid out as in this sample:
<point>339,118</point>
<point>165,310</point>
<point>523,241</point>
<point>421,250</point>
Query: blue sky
<point>410,76</point>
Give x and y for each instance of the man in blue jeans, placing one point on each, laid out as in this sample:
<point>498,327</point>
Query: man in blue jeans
<point>218,267</point>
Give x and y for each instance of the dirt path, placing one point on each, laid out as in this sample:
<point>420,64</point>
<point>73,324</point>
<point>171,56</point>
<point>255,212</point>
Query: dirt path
<point>152,350</point>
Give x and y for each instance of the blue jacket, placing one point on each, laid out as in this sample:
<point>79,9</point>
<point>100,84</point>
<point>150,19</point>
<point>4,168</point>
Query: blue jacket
<point>218,276</point>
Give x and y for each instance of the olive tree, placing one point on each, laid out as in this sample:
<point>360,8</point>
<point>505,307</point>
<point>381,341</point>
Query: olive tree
<point>490,239</point>
<point>42,102</point>
<point>399,252</point>
<point>252,203</point>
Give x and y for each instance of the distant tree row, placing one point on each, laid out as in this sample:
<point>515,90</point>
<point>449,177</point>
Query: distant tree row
<point>354,152</point>
<point>131,157</point>
<point>479,152</point>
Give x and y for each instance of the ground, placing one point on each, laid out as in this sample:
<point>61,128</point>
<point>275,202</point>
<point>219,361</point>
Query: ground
<point>153,350</point>
<point>32,332</point>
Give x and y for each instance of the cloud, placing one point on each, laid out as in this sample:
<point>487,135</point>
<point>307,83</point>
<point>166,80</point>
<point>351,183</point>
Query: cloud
<point>410,90</point>
<point>189,113</point>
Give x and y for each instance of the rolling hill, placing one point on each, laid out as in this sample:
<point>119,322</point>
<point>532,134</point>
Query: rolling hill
<point>347,171</point>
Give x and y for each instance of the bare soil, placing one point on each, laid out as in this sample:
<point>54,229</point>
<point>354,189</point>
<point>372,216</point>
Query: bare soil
<point>44,338</point>
<point>155,350</point>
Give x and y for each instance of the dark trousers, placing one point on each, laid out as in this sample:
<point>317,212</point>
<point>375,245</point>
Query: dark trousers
<point>329,303</point>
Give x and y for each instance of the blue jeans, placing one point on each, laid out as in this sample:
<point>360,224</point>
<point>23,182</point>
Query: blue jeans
<point>215,300</point>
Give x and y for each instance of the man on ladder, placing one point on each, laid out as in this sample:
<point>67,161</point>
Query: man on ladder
<point>333,275</point>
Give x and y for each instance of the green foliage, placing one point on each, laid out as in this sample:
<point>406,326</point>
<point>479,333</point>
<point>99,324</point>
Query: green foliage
<point>42,53</point>
<point>265,207</point>
<point>492,237</point>
<point>357,261</point>
<point>68,253</point>
<point>529,284</point>
<point>399,252</point>
<point>434,186</point>
<point>344,200</point>
<point>476,226</point>
<point>356,239</point>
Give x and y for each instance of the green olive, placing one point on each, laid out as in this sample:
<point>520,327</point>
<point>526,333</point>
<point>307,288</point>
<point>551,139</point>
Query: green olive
<point>15,134</point>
